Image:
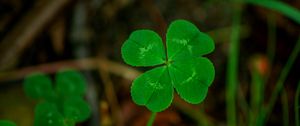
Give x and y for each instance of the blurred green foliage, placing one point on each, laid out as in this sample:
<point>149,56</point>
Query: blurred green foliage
<point>62,104</point>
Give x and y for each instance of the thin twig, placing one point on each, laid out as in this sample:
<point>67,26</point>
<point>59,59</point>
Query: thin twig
<point>22,35</point>
<point>190,111</point>
<point>110,93</point>
<point>80,64</point>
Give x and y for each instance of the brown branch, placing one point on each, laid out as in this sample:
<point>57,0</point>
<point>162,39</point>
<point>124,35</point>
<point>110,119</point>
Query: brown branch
<point>110,93</point>
<point>22,35</point>
<point>81,64</point>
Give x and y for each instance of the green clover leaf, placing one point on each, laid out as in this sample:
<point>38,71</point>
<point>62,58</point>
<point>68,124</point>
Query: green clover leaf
<point>70,82</point>
<point>143,48</point>
<point>38,86</point>
<point>47,114</point>
<point>182,68</point>
<point>75,108</point>
<point>7,123</point>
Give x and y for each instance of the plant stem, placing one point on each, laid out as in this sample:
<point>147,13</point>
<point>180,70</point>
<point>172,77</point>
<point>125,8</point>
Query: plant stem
<point>257,88</point>
<point>152,118</point>
<point>297,106</point>
<point>255,117</point>
<point>282,78</point>
<point>232,69</point>
<point>69,122</point>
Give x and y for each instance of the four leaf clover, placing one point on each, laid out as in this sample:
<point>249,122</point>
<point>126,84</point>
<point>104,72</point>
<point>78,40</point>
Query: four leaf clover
<point>63,105</point>
<point>181,66</point>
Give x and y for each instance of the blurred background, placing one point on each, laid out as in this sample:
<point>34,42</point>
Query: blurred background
<point>48,35</point>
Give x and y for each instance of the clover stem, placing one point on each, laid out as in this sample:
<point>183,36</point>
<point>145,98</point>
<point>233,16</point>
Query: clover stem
<point>152,118</point>
<point>69,122</point>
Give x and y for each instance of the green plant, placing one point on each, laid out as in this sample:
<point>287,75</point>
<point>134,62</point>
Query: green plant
<point>181,66</point>
<point>258,116</point>
<point>232,67</point>
<point>62,104</point>
<point>7,123</point>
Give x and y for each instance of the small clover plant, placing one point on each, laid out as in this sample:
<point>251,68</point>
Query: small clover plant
<point>7,123</point>
<point>181,66</point>
<point>62,104</point>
